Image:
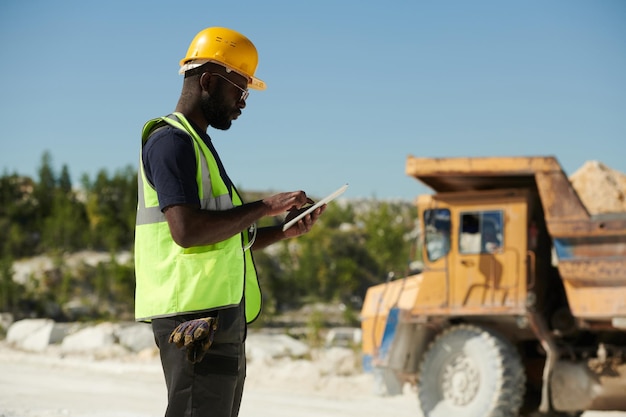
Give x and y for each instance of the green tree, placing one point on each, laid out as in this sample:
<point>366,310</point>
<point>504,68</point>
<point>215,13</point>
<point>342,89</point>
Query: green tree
<point>9,290</point>
<point>269,273</point>
<point>65,226</point>
<point>65,229</point>
<point>45,188</point>
<point>65,181</point>
<point>111,208</point>
<point>386,228</point>
<point>18,214</point>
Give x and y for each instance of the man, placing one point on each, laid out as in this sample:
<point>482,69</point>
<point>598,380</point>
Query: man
<point>196,280</point>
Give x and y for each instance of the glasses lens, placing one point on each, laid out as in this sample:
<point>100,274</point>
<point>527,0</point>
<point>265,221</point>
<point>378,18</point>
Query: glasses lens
<point>244,91</point>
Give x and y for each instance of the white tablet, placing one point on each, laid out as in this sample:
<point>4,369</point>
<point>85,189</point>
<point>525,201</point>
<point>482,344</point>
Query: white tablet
<point>323,201</point>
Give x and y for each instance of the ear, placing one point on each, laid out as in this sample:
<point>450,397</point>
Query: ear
<point>205,82</point>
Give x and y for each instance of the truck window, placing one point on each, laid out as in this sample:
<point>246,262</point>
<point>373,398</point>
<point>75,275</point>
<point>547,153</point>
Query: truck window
<point>481,232</point>
<point>437,233</point>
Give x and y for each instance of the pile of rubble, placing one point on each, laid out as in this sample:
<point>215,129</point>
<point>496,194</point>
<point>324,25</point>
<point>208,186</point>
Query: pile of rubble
<point>97,341</point>
<point>601,189</point>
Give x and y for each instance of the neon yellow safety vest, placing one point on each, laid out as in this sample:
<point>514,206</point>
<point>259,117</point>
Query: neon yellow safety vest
<point>172,280</point>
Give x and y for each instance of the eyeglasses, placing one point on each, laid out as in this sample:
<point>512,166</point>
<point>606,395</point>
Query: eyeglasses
<point>244,91</point>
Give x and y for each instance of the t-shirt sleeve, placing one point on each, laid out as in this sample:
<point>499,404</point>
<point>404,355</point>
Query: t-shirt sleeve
<point>170,166</point>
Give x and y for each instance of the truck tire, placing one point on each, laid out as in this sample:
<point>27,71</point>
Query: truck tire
<point>472,372</point>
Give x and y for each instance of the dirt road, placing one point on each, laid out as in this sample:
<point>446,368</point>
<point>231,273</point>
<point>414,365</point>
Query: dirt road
<point>30,388</point>
<point>40,386</point>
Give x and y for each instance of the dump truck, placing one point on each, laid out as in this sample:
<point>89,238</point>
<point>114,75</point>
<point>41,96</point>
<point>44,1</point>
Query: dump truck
<point>519,307</point>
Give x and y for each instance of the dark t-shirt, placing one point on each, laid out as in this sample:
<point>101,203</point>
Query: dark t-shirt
<point>170,165</point>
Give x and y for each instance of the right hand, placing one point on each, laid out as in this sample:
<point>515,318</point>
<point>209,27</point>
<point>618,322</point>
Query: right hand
<point>280,203</point>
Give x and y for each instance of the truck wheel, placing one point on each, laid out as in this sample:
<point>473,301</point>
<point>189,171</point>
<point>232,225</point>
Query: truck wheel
<point>472,372</point>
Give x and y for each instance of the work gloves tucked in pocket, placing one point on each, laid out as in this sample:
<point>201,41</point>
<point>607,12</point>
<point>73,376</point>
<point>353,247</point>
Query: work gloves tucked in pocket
<point>196,336</point>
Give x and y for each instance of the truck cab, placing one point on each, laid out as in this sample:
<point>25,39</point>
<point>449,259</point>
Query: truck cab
<point>475,253</point>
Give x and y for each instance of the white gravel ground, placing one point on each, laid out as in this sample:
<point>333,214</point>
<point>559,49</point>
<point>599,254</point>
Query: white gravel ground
<point>50,385</point>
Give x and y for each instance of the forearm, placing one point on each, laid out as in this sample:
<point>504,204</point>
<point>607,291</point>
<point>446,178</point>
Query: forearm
<point>191,226</point>
<point>267,236</point>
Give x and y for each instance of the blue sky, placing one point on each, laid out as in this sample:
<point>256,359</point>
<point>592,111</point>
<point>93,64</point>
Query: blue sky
<point>353,86</point>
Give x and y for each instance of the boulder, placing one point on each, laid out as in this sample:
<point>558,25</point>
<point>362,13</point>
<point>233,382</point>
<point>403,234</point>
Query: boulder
<point>90,339</point>
<point>36,334</point>
<point>136,337</point>
<point>265,346</point>
<point>6,320</point>
<point>337,361</point>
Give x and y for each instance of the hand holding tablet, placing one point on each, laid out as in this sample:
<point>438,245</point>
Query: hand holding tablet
<point>323,201</point>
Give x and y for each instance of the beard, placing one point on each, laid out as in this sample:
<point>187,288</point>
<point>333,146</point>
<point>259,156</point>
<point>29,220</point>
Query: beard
<point>215,112</point>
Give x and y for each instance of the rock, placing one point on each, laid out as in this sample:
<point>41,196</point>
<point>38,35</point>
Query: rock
<point>337,361</point>
<point>148,354</point>
<point>264,346</point>
<point>90,339</point>
<point>6,320</point>
<point>343,337</point>
<point>108,352</point>
<point>76,308</point>
<point>297,374</point>
<point>35,267</point>
<point>136,337</point>
<point>36,334</point>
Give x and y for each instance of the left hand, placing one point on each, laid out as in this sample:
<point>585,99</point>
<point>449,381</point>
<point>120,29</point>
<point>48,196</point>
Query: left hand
<point>305,224</point>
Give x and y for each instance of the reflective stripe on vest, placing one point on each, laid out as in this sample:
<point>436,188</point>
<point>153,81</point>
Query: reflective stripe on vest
<point>172,280</point>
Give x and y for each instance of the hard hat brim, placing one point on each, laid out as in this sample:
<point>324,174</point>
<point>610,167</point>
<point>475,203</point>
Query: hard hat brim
<point>253,82</point>
<point>256,84</point>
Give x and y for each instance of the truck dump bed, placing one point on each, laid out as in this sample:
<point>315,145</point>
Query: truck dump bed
<point>590,250</point>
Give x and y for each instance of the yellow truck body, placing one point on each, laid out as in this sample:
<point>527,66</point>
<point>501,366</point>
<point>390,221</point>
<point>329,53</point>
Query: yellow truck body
<point>512,259</point>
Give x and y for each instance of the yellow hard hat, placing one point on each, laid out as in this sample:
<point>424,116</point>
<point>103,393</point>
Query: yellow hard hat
<point>225,47</point>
